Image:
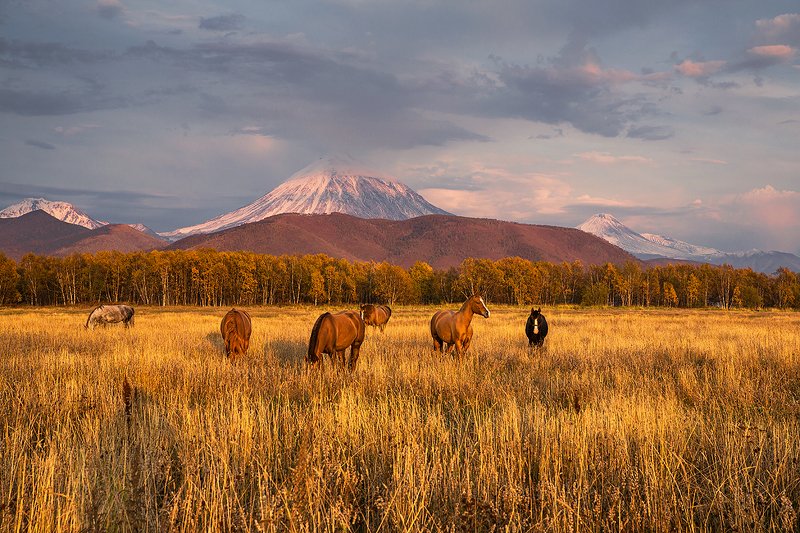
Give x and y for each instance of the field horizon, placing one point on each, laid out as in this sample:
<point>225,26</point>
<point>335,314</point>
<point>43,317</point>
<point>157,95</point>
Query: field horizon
<point>630,419</point>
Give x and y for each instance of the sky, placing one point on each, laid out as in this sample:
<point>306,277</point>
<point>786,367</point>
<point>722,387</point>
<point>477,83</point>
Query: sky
<point>680,118</point>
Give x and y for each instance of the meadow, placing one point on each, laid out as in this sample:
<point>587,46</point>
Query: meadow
<point>630,420</point>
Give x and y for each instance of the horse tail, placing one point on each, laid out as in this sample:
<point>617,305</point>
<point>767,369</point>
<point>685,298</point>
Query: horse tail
<point>388,312</point>
<point>312,343</point>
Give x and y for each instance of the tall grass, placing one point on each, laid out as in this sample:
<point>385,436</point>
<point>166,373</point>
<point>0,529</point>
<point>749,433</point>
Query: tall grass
<point>628,420</point>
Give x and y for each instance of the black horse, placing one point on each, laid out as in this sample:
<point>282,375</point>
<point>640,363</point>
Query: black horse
<point>536,328</point>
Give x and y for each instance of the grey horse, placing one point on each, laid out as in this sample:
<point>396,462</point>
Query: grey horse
<point>110,314</point>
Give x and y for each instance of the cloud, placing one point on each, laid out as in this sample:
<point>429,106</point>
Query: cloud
<point>784,27</point>
<point>109,9</point>
<point>229,22</point>
<point>767,205</point>
<point>708,161</point>
<point>69,131</point>
<point>605,158</point>
<point>651,133</point>
<point>572,87</point>
<point>481,190</point>
<point>27,55</point>
<point>698,69</point>
<point>40,144</point>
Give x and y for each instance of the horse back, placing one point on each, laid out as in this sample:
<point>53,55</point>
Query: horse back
<point>348,329</point>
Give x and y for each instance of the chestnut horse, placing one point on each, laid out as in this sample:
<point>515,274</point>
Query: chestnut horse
<point>454,328</point>
<point>376,315</point>
<point>236,328</point>
<point>333,333</point>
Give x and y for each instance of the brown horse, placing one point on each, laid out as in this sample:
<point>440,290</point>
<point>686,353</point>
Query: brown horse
<point>236,329</point>
<point>454,328</point>
<point>376,315</point>
<point>333,333</point>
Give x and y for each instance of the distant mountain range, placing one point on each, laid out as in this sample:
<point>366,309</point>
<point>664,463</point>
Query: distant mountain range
<point>337,207</point>
<point>42,234</point>
<point>60,210</point>
<point>649,246</point>
<point>330,185</point>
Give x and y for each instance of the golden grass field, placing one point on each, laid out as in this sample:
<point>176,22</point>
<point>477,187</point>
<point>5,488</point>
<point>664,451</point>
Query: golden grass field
<point>630,420</point>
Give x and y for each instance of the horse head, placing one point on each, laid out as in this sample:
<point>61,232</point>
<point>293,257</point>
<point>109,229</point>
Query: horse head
<point>479,306</point>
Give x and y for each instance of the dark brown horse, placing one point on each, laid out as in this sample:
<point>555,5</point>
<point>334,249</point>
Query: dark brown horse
<point>454,328</point>
<point>376,315</point>
<point>236,328</point>
<point>333,333</point>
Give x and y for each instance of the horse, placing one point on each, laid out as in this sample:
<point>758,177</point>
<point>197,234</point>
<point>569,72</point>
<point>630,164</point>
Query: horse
<point>110,314</point>
<point>454,328</point>
<point>236,327</point>
<point>376,315</point>
<point>332,334</point>
<point>536,328</point>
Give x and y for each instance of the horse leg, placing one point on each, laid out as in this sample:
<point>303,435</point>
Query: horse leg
<point>354,351</point>
<point>437,345</point>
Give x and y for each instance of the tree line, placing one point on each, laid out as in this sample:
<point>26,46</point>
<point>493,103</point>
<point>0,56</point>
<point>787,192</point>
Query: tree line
<point>211,278</point>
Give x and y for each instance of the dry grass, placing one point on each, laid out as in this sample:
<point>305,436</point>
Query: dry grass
<point>631,420</point>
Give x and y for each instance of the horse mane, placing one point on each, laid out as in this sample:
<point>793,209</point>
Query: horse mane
<point>315,332</point>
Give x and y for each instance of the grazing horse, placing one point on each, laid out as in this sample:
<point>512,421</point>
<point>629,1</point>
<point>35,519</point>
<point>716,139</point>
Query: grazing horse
<point>536,328</point>
<point>236,328</point>
<point>376,315</point>
<point>110,314</point>
<point>333,333</point>
<point>454,328</point>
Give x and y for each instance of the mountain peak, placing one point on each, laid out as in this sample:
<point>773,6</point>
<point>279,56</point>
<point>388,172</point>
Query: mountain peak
<point>337,165</point>
<point>332,184</point>
<point>63,211</point>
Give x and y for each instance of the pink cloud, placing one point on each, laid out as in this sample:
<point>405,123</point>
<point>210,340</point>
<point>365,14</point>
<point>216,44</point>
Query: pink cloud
<point>709,161</point>
<point>605,158</point>
<point>769,206</point>
<point>778,26</point>
<point>698,69</point>
<point>775,51</point>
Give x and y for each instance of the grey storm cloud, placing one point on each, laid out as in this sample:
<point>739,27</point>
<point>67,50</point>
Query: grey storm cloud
<point>229,22</point>
<point>651,133</point>
<point>40,144</point>
<point>18,54</point>
<point>109,9</point>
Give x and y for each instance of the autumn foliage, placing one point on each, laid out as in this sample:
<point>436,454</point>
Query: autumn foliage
<point>210,278</point>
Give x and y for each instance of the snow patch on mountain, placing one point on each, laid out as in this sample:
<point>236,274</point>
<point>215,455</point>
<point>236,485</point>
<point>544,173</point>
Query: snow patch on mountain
<point>61,210</point>
<point>330,185</point>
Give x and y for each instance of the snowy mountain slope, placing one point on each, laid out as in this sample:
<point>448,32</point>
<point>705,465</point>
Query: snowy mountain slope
<point>146,230</point>
<point>607,227</point>
<point>63,211</point>
<point>331,185</point>
<point>651,246</point>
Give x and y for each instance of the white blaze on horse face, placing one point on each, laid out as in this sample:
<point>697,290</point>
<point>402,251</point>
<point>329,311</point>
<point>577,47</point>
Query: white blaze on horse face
<point>484,306</point>
<point>536,326</point>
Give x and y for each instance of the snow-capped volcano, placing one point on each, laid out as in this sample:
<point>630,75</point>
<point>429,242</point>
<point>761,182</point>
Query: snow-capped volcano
<point>651,246</point>
<point>330,185</point>
<point>644,245</point>
<point>61,210</point>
